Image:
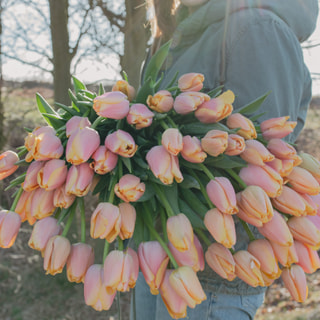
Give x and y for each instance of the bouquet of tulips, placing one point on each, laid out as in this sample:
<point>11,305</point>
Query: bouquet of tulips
<point>173,171</point>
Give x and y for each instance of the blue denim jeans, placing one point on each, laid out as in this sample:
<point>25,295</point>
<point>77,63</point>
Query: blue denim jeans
<point>216,307</point>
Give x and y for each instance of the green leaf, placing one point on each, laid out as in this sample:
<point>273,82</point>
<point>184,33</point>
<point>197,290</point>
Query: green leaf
<point>102,184</point>
<point>127,163</point>
<point>225,162</point>
<point>78,85</point>
<point>194,219</point>
<point>189,182</point>
<point>101,90</point>
<point>254,105</point>
<point>171,193</point>
<point>43,105</point>
<point>198,128</point>
<point>148,194</point>
<point>215,92</point>
<point>146,90</point>
<point>54,120</point>
<point>141,231</point>
<point>125,76</point>
<point>194,202</point>
<point>69,110</point>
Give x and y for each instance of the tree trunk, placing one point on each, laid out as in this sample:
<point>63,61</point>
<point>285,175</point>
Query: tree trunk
<point>60,49</point>
<point>136,36</point>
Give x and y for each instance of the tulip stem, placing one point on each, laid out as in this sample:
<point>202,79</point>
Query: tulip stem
<point>70,219</point>
<point>206,171</point>
<point>119,306</point>
<point>173,124</point>
<point>164,200</point>
<point>22,152</point>
<point>202,235</point>
<point>120,244</point>
<point>96,122</point>
<point>164,125</point>
<point>16,199</point>
<point>248,231</point>
<point>236,177</point>
<point>83,220</point>
<point>105,250</point>
<point>163,219</point>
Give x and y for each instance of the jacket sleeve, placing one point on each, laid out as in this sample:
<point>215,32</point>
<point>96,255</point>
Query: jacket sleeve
<point>262,55</point>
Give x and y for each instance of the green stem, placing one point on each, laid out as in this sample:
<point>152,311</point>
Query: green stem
<point>172,123</point>
<point>105,250</point>
<point>120,244</point>
<point>206,171</point>
<point>163,220</point>
<point>164,125</point>
<point>202,235</point>
<point>97,122</point>
<point>164,200</point>
<point>83,220</point>
<point>22,152</point>
<point>173,88</point>
<point>69,221</point>
<point>16,199</point>
<point>248,231</point>
<point>236,177</point>
<point>119,306</point>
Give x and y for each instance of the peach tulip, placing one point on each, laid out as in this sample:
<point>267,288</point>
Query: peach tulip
<point>191,82</point>
<point>153,262</point>
<point>215,142</point>
<point>286,255</point>
<point>187,102</point>
<point>62,199</point>
<point>7,164</point>
<point>172,140</point>
<point>222,195</point>
<point>105,222</point>
<point>113,105</point>
<point>308,259</point>
<point>192,150</point>
<point>121,143</point>
<point>31,179</point>
<point>128,220</point>
<point>42,203</point>
<point>311,164</point>
<point>236,145</point>
<point>243,215</point>
<point>76,123</point>
<point>161,102</point>
<point>56,254</point>
<point>124,87</point>
<point>311,206</point>
<point>247,129</point>
<point>23,207</point>
<point>283,167</point>
<point>277,128</point>
<point>104,160</point>
<point>10,223</point>
<point>129,188</point>
<point>256,153</point>
<point>140,116</point>
<point>283,150</point>
<point>220,260</point>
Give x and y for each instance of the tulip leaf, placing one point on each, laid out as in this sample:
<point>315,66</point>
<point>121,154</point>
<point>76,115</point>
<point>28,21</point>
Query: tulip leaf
<point>198,128</point>
<point>78,85</point>
<point>225,162</point>
<point>101,90</point>
<point>54,120</point>
<point>254,105</point>
<point>69,110</point>
<point>145,90</point>
<point>102,184</point>
<point>171,194</point>
<point>194,219</point>
<point>140,162</point>
<point>127,163</point>
<point>189,182</point>
<point>43,105</point>
<point>215,92</point>
<point>141,231</point>
<point>148,194</point>
<point>193,200</point>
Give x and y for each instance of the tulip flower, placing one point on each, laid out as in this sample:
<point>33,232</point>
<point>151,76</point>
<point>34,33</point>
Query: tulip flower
<point>180,232</point>
<point>191,82</point>
<point>283,167</point>
<point>104,160</point>
<point>7,164</point>
<point>161,102</point>
<point>53,174</point>
<point>236,145</point>
<point>121,143</point>
<point>248,268</point>
<point>62,199</point>
<point>263,176</point>
<point>221,227</point>
<point>286,255</point>
<point>277,230</point>
<point>105,222</point>
<point>308,259</point>
<point>23,207</point>
<point>140,116</point>
<point>256,153</point>
<point>31,179</point>
<point>56,254</point>
<point>113,105</point>
<point>311,206</point>
<point>121,270</point>
<point>216,109</point>
<point>187,102</point>
<point>10,223</point>
<point>277,128</point>
<point>153,262</point>
<point>294,279</point>
<point>215,142</point>
<point>222,195</point>
<point>247,129</point>
<point>192,150</point>
<point>95,294</point>
<point>128,220</point>
<point>42,231</point>
<point>220,260</point>
<point>80,259</point>
<point>164,165</point>
<point>175,305</point>
<point>305,231</point>
<point>186,283</point>
<point>129,188</point>
<point>172,141</point>
<point>311,164</point>
<point>255,202</point>
<point>76,123</point>
<point>79,179</point>
<point>42,203</point>
<point>124,87</point>
<point>303,181</point>
<point>255,221</point>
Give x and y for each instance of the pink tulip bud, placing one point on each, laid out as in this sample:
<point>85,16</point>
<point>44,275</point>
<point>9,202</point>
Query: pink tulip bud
<point>277,128</point>
<point>80,259</point>
<point>104,160</point>
<point>221,226</point>
<point>105,222</point>
<point>294,279</point>
<point>248,268</point>
<point>164,165</point>
<point>126,88</point>
<point>140,116</point>
<point>192,150</point>
<point>128,220</point>
<point>76,123</point>
<point>277,230</point>
<point>56,254</point>
<point>247,129</point>
<point>220,260</point>
<point>236,145</point>
<point>283,167</point>
<point>216,109</point>
<point>264,177</point>
<point>172,141</point>
<point>187,102</point>
<point>153,263</point>
<point>10,223</point>
<point>215,142</point>
<point>191,82</point>
<point>129,188</point>
<point>7,164</point>
<point>95,294</point>
<point>186,283</point>
<point>308,259</point>
<point>161,102</point>
<point>42,203</point>
<point>61,199</point>
<point>42,231</point>
<point>79,179</point>
<point>256,153</point>
<point>222,195</point>
<point>243,215</point>
<point>31,181</point>
<point>176,306</point>
<point>23,207</point>
<point>113,105</point>
<point>180,232</point>
<point>303,181</point>
<point>311,164</point>
<point>286,255</point>
<point>121,143</point>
